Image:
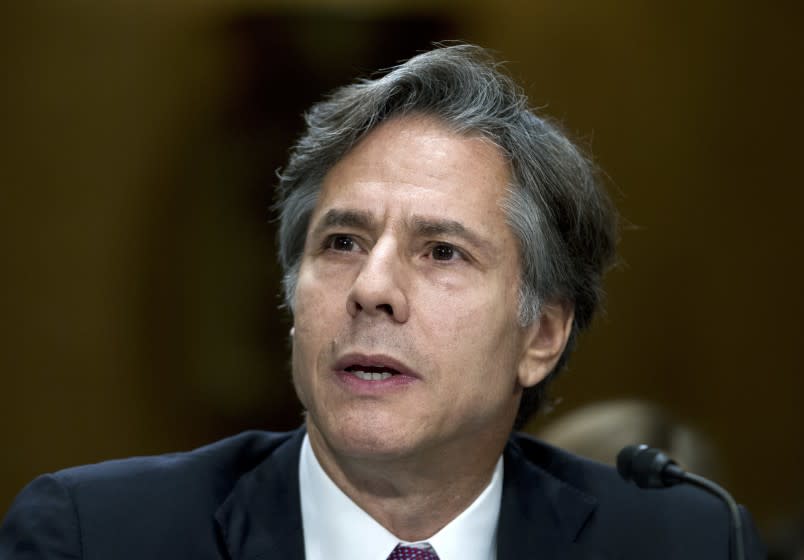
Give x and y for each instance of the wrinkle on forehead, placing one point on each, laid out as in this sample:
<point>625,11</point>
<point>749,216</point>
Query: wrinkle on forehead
<point>427,132</point>
<point>417,172</point>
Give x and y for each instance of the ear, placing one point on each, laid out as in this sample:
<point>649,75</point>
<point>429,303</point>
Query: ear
<point>545,341</point>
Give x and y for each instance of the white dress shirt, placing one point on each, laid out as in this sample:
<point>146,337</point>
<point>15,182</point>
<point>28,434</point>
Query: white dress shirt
<point>335,528</point>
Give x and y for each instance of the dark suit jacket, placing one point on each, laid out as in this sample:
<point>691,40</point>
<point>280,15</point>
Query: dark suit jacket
<point>239,499</point>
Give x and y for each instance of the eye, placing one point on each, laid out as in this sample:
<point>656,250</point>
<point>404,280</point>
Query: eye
<point>444,252</point>
<point>344,243</point>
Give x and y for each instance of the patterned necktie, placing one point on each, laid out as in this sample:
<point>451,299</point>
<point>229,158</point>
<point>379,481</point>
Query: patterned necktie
<point>413,553</point>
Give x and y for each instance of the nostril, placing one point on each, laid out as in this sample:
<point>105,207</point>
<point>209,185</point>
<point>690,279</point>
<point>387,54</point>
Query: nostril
<point>386,307</point>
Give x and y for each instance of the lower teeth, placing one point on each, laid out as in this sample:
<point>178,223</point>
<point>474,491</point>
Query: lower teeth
<point>371,376</point>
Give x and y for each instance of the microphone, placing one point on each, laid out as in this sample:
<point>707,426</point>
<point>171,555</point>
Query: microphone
<point>648,467</point>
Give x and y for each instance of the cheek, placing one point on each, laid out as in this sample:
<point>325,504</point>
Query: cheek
<point>311,327</point>
<point>315,301</point>
<point>322,290</point>
<point>460,315</point>
<point>475,347</point>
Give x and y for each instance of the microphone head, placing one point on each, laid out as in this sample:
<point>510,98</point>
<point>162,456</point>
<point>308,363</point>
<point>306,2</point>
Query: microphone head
<point>625,458</point>
<point>647,467</point>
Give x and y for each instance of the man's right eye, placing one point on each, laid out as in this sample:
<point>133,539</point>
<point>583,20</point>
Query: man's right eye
<point>341,243</point>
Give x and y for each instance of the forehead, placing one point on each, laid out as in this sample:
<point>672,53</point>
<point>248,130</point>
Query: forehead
<point>415,166</point>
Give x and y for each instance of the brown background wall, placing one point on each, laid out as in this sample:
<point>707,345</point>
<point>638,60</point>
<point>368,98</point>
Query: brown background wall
<point>138,148</point>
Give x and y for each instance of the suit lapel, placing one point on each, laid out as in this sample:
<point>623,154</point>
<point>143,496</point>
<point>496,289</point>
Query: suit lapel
<point>542,516</point>
<point>261,518</point>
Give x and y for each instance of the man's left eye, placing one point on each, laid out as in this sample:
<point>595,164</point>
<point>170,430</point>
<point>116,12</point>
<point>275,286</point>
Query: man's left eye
<point>444,252</point>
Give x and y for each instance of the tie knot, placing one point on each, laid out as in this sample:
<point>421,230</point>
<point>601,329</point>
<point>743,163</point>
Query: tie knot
<point>419,552</point>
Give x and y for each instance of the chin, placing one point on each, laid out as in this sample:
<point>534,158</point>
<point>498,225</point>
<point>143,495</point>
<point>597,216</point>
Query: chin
<point>368,437</point>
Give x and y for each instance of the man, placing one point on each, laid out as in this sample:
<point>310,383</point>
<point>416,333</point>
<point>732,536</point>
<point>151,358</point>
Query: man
<point>442,247</point>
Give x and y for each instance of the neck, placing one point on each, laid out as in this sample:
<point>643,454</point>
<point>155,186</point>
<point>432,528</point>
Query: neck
<point>412,496</point>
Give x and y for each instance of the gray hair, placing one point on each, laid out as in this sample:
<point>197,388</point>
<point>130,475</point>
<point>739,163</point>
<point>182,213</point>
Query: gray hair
<point>563,220</point>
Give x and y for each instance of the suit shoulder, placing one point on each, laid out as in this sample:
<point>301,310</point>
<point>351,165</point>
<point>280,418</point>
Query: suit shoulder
<point>603,482</point>
<point>141,507</point>
<point>233,455</point>
<point>681,517</point>
<point>197,479</point>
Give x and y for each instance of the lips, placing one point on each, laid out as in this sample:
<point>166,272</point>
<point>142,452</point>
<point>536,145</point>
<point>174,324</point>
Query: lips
<point>373,367</point>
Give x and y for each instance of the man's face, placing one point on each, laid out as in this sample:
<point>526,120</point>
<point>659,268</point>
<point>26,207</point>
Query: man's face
<point>406,335</point>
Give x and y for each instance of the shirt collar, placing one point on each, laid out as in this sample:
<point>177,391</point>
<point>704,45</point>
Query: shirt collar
<point>335,528</point>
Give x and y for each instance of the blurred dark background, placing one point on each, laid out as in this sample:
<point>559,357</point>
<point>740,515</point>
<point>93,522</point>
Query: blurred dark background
<point>139,144</point>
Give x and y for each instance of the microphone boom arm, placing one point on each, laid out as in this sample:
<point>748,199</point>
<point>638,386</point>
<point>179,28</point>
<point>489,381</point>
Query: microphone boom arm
<point>719,491</point>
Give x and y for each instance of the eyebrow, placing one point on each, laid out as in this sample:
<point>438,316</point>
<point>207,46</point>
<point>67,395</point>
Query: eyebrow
<point>431,227</point>
<point>420,226</point>
<point>336,217</point>
<point>434,228</point>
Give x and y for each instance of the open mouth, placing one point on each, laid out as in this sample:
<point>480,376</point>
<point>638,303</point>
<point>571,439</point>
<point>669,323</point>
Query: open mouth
<point>371,373</point>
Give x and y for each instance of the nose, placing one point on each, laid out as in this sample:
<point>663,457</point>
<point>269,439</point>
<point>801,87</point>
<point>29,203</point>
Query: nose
<point>379,288</point>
